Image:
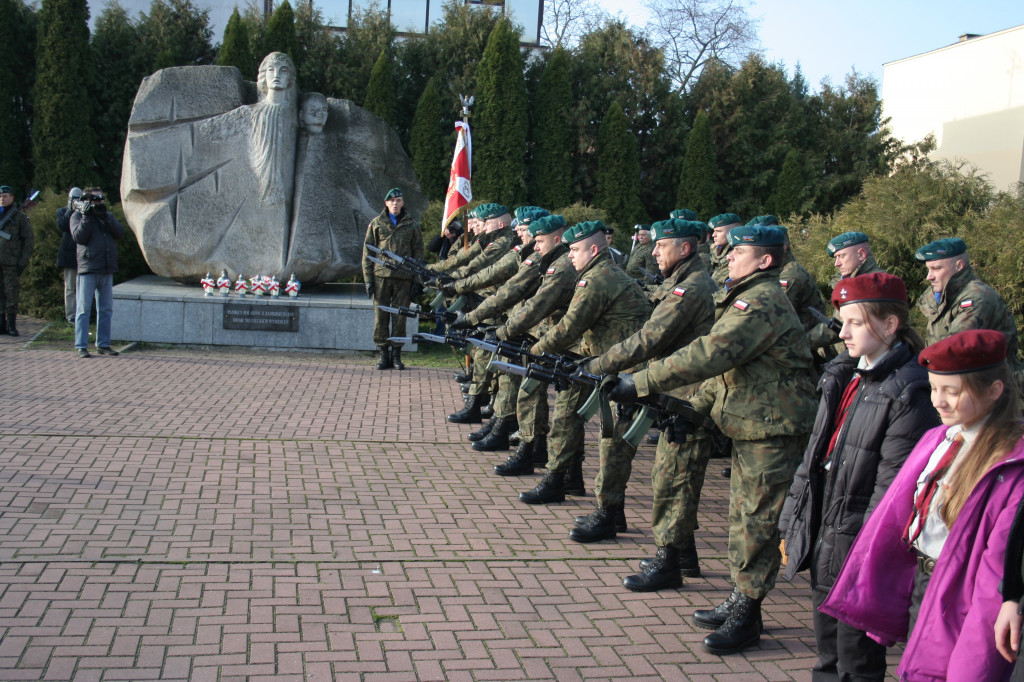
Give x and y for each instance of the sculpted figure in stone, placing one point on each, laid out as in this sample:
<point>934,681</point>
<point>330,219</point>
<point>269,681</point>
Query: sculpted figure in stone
<point>220,174</point>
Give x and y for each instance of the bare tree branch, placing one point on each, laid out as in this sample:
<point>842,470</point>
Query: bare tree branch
<point>566,21</point>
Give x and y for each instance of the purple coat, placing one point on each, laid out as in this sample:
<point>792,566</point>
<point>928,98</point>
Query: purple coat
<point>953,638</point>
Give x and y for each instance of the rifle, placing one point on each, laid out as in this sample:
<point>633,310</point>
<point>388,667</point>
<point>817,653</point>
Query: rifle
<point>411,266</point>
<point>456,340</point>
<point>418,314</point>
<point>655,279</point>
<point>10,213</point>
<point>659,408</point>
<point>833,325</point>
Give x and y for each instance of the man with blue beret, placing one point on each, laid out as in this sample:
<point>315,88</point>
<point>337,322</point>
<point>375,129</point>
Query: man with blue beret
<point>758,387</point>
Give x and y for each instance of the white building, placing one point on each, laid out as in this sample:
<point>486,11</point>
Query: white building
<point>970,95</point>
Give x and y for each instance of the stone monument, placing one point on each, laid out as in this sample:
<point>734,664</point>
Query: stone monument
<point>223,174</point>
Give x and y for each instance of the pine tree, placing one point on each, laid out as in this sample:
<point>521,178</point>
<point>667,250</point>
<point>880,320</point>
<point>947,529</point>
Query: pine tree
<point>380,91</point>
<point>697,184</point>
<point>176,33</point>
<point>618,170</point>
<point>63,138</point>
<point>280,35</point>
<point>788,196</point>
<point>499,136</point>
<point>234,51</point>
<point>551,165</point>
<point>17,54</point>
<point>427,145</point>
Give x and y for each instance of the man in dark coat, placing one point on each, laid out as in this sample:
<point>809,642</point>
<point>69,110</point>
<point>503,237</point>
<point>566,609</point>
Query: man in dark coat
<point>67,254</point>
<point>16,242</point>
<point>96,232</point>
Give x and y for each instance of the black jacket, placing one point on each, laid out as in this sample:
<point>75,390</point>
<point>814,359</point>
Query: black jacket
<point>67,252</point>
<point>95,233</point>
<point>1013,570</point>
<point>826,509</point>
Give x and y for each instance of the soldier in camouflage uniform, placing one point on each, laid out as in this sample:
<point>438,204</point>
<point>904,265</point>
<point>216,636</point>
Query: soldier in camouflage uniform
<point>758,388</point>
<point>684,310</point>
<point>958,300</point>
<point>607,306</point>
<point>534,317</point>
<point>642,256</point>
<point>720,226</point>
<point>852,253</point>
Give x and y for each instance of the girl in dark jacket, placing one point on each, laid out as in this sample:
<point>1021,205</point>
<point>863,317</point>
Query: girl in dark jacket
<point>874,407</point>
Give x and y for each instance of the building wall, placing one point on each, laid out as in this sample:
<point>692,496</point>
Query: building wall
<point>970,95</point>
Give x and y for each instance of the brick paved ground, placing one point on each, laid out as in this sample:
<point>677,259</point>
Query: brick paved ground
<point>225,516</point>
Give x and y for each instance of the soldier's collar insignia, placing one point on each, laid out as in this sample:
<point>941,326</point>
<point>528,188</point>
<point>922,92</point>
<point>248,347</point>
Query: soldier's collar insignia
<point>741,304</point>
<point>581,283</point>
<point>679,291</point>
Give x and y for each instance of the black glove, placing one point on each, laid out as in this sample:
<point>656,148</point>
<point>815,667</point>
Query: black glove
<point>624,412</point>
<point>460,322</point>
<point>449,289</point>
<point>371,287</point>
<point>624,391</point>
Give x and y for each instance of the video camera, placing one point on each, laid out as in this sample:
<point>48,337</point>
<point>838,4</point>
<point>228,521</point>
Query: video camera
<point>86,202</point>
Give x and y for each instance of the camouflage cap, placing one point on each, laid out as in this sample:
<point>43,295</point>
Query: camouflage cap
<point>763,220</point>
<point>527,217</point>
<point>581,231</point>
<point>492,211</point>
<point>724,220</point>
<point>393,193</point>
<point>547,225</point>
<point>674,228</point>
<point>683,214</point>
<point>941,248</point>
<point>757,235</point>
<point>844,240</point>
<point>967,351</point>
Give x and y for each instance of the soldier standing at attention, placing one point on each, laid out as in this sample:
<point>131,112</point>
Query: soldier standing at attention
<point>642,256</point>
<point>15,251</point>
<point>958,300</point>
<point>720,226</point>
<point>756,368</point>
<point>394,230</point>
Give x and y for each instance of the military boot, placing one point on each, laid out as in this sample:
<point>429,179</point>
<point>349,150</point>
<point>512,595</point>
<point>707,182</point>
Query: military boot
<point>740,630</point>
<point>3,323</point>
<point>520,463</point>
<point>662,572</point>
<point>483,431</point>
<point>550,489</point>
<point>574,478</point>
<point>514,438</point>
<point>540,450</point>
<point>712,619</point>
<point>620,519</point>
<point>396,357</point>
<point>12,330</point>
<point>385,357</point>
<point>497,439</point>
<point>600,526</point>
<point>487,411</point>
<point>462,377</point>
<point>470,414</point>
<point>688,562</point>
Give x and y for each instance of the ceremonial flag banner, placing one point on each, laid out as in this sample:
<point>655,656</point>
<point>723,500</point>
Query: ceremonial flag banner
<point>459,192</point>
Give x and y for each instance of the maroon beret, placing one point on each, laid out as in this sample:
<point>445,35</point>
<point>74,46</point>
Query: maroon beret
<point>963,352</point>
<point>876,286</point>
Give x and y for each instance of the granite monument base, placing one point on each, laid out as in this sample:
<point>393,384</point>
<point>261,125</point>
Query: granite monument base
<point>329,317</point>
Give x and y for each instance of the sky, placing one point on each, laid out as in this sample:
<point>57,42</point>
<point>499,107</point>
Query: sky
<point>827,38</point>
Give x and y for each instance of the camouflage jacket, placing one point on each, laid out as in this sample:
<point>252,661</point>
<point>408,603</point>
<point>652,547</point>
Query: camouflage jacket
<point>755,364</point>
<point>522,285</point>
<point>967,303</point>
<point>866,268</point>
<point>405,239</point>
<point>548,304</point>
<point>802,291</point>
<point>642,259</point>
<point>704,251</point>
<point>819,335</point>
<point>457,259</point>
<point>719,265</point>
<point>17,250</point>
<point>499,244</point>
<point>607,306</point>
<point>684,310</point>
<point>497,272</point>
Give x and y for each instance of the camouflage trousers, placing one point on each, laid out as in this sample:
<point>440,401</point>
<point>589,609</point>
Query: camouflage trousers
<point>505,398</point>
<point>390,292</point>
<point>566,440</point>
<point>676,482</point>
<point>615,466</point>
<point>532,411</point>
<point>482,377</point>
<point>762,471</point>
<point>10,280</point>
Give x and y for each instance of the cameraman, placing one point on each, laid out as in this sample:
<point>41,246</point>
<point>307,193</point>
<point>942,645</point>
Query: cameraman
<point>95,230</point>
<point>16,242</point>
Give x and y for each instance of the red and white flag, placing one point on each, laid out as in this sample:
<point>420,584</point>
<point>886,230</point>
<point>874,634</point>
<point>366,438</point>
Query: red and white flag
<point>459,192</point>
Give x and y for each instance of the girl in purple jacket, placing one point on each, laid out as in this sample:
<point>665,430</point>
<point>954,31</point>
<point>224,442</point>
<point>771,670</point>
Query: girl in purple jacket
<point>929,559</point>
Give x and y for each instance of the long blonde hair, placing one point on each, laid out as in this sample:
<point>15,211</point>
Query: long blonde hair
<point>998,436</point>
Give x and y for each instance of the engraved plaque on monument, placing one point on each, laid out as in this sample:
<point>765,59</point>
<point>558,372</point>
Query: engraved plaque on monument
<point>261,317</point>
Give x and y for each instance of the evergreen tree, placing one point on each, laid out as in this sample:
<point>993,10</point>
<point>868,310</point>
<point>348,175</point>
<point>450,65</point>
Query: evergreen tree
<point>788,197</point>
<point>499,136</point>
<point>427,145</point>
<point>618,176</point>
<point>120,67</point>
<point>380,91</point>
<point>551,164</point>
<point>318,49</point>
<point>176,33</point>
<point>280,35</point>
<point>63,138</point>
<point>17,54</point>
<point>697,183</point>
<point>234,50</point>
<point>369,32</point>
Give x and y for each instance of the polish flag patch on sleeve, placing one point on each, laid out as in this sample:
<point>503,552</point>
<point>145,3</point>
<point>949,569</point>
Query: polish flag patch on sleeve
<point>969,303</point>
<point>784,283</point>
<point>551,271</point>
<point>679,291</point>
<point>741,304</point>
<point>581,283</point>
<point>527,262</point>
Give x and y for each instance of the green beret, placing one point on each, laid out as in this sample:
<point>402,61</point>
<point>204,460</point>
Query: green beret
<point>845,239</point>
<point>942,248</point>
<point>763,220</point>
<point>492,211</point>
<point>527,217</point>
<point>641,227</point>
<point>547,225</point>
<point>674,228</point>
<point>393,193</point>
<point>725,219</point>
<point>524,209</point>
<point>6,189</point>
<point>683,214</point>
<point>757,235</point>
<point>583,230</point>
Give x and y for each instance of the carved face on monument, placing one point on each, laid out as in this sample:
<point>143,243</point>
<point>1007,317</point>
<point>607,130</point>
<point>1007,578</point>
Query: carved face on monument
<point>276,76</point>
<point>313,115</point>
